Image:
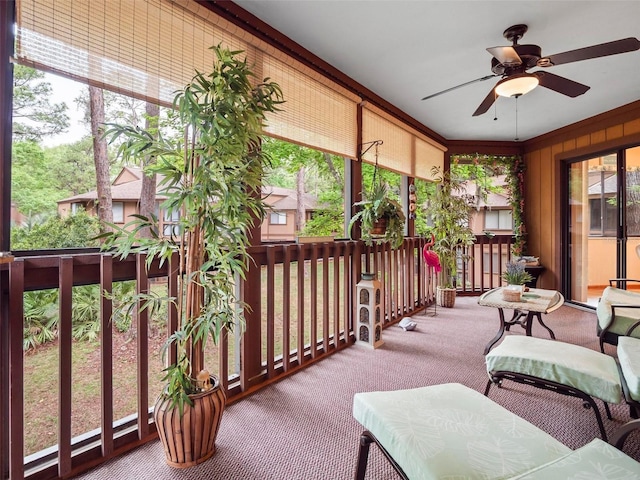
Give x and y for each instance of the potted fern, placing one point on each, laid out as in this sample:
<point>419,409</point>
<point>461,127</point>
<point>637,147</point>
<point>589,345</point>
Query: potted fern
<point>380,216</point>
<point>448,210</point>
<point>211,174</point>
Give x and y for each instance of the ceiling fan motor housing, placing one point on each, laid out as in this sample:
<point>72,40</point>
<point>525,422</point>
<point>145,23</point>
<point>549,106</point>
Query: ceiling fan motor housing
<point>529,55</point>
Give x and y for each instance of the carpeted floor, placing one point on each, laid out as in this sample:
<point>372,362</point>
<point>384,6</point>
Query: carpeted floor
<point>302,427</point>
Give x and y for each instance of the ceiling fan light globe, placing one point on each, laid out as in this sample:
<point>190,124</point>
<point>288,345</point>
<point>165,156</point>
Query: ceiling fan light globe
<point>516,85</point>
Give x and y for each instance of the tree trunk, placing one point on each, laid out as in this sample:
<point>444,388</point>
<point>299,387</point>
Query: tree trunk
<point>100,157</point>
<point>301,211</point>
<point>147,205</point>
<point>334,171</point>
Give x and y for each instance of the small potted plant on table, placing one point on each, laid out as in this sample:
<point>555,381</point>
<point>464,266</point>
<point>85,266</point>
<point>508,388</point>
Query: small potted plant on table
<point>516,277</point>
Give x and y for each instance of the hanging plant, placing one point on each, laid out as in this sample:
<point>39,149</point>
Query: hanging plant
<point>380,216</point>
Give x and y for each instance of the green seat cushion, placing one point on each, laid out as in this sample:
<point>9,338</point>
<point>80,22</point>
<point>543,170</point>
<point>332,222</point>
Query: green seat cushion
<point>594,373</point>
<point>453,432</point>
<point>625,317</point>
<point>629,358</point>
<point>596,460</point>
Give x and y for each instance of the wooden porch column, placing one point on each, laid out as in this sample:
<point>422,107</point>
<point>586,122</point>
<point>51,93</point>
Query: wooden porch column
<point>251,293</point>
<point>7,16</point>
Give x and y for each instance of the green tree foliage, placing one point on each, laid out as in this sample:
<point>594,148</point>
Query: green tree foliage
<point>40,177</point>
<point>324,179</point>
<point>70,167</point>
<point>41,320</point>
<point>57,232</point>
<point>33,188</point>
<point>34,116</point>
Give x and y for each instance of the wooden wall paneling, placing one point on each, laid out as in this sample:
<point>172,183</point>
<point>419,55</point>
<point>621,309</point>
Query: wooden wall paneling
<point>533,193</point>
<point>583,141</point>
<point>547,210</point>
<point>552,279</point>
<point>569,145</point>
<point>599,136</point>
<point>632,127</point>
<point>615,132</point>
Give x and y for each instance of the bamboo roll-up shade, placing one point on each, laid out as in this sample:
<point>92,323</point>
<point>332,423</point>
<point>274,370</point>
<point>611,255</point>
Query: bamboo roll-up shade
<point>395,152</point>
<point>317,112</point>
<point>427,157</point>
<point>149,49</point>
<point>404,149</point>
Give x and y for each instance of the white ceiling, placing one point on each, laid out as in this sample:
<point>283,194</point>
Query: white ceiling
<point>405,50</point>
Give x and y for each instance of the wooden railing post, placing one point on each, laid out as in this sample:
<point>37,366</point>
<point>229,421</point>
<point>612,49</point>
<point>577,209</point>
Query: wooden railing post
<point>65,324</point>
<point>4,374</point>
<point>106,354</point>
<point>16,370</point>
<point>251,291</point>
<point>142,347</point>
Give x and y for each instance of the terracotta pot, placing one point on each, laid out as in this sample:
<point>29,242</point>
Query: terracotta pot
<point>189,439</point>
<point>446,297</point>
<point>379,227</point>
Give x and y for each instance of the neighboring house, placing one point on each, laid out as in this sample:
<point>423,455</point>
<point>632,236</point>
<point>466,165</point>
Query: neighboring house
<point>492,215</point>
<point>125,195</point>
<point>280,224</point>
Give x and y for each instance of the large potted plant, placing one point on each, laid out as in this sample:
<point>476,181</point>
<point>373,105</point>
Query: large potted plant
<point>210,172</point>
<point>380,216</point>
<point>448,209</point>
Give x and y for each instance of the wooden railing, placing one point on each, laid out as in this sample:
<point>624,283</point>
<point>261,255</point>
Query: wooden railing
<point>489,256</point>
<point>299,310</point>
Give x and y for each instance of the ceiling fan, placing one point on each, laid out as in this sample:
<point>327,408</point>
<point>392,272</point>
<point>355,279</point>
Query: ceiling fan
<point>512,62</point>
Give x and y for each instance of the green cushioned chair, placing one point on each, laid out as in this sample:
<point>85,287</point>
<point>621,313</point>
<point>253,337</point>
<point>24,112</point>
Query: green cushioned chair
<point>562,367</point>
<point>453,432</point>
<point>618,312</point>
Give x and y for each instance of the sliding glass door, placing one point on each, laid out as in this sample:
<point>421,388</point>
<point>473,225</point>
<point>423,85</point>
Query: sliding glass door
<point>602,222</point>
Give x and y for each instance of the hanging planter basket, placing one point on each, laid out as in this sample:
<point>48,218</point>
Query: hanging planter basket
<point>379,227</point>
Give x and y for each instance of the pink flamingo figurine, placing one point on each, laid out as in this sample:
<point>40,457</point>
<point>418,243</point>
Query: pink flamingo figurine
<point>430,257</point>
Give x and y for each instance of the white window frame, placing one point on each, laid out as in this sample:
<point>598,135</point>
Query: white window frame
<point>277,218</point>
<point>117,208</point>
<point>498,220</point>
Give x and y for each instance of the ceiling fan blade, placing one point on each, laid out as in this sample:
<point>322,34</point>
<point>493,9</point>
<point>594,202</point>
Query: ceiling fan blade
<point>486,103</point>
<point>561,84</point>
<point>482,79</point>
<point>602,50</point>
<point>507,56</point>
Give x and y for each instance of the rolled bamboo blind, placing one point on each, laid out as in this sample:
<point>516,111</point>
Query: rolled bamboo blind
<point>404,149</point>
<point>149,49</point>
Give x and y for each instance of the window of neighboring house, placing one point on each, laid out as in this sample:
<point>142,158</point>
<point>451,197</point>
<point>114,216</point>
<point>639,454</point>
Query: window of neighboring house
<point>498,220</point>
<point>602,216</point>
<point>170,225</point>
<point>118,212</point>
<point>76,207</point>
<point>278,218</point>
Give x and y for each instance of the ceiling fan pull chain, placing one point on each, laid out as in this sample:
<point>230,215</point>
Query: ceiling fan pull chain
<point>516,139</point>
